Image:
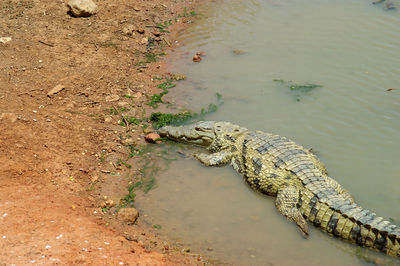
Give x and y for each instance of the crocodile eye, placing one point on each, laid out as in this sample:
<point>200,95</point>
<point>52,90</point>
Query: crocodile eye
<point>197,128</point>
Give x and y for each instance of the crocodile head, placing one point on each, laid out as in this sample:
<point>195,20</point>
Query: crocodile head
<point>204,133</point>
<point>201,133</point>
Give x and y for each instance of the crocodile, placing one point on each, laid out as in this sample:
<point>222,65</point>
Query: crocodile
<point>278,167</point>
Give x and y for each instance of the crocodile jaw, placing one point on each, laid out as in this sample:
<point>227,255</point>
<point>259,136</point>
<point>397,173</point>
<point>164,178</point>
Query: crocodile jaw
<point>201,133</point>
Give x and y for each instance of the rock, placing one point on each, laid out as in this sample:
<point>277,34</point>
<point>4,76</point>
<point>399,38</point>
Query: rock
<point>147,130</point>
<point>138,87</point>
<point>5,39</point>
<point>152,138</point>
<point>129,141</point>
<point>10,116</point>
<point>138,95</point>
<point>178,77</point>
<point>238,52</point>
<point>121,239</point>
<point>196,58</point>
<point>123,104</point>
<point>82,8</point>
<point>71,105</point>
<point>129,92</point>
<point>108,204</point>
<point>131,112</point>
<point>108,119</point>
<point>112,98</point>
<point>128,215</point>
<point>90,198</point>
<point>128,30</point>
<point>55,90</point>
<point>144,41</point>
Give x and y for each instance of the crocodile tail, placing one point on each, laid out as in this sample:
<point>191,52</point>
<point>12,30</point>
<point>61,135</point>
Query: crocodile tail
<point>366,229</point>
<point>350,222</point>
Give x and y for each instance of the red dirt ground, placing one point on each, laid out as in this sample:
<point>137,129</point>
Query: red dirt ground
<point>55,152</point>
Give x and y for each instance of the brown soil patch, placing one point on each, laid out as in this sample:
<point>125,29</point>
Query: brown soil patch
<point>59,154</point>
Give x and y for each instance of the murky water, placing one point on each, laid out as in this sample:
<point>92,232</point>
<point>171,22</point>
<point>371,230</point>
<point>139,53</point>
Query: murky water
<point>352,49</point>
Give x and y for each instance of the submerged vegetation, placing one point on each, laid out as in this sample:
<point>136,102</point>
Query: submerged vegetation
<point>152,163</point>
<point>157,97</point>
<point>163,26</point>
<point>129,200</point>
<point>298,89</point>
<point>129,120</point>
<point>162,119</point>
<point>152,57</point>
<point>187,13</point>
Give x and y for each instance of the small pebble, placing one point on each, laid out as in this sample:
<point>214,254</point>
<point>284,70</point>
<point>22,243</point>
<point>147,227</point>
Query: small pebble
<point>152,138</point>
<point>196,58</point>
<point>144,41</point>
<point>82,8</point>
<point>55,90</point>
<point>5,39</point>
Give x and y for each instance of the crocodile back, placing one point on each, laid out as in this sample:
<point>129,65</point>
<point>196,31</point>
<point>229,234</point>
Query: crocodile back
<point>266,156</point>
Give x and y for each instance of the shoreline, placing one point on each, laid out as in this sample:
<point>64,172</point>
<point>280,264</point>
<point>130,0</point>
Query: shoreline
<point>66,158</point>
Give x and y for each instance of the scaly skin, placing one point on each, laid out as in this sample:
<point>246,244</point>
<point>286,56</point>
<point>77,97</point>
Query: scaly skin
<point>278,167</point>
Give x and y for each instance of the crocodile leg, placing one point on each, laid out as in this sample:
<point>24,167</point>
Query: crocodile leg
<point>214,159</point>
<point>286,203</point>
